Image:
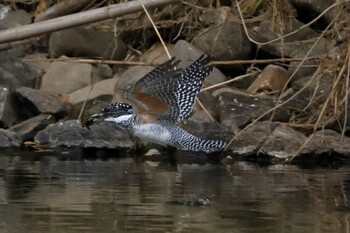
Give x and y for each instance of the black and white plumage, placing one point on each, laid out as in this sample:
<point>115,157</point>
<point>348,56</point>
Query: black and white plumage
<point>167,96</point>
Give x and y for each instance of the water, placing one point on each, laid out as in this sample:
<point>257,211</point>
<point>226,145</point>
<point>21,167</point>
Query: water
<point>45,193</point>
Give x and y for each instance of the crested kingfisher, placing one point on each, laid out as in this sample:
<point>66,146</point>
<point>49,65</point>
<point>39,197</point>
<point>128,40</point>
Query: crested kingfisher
<point>160,100</point>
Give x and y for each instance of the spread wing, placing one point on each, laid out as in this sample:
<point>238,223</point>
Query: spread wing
<point>167,93</point>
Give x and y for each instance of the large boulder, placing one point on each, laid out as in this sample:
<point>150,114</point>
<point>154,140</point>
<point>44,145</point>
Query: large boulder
<point>86,42</point>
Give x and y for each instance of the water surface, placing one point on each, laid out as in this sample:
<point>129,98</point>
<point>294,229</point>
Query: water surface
<point>46,193</point>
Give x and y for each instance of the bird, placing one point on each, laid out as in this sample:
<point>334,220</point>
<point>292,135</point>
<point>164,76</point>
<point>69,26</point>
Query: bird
<point>160,100</point>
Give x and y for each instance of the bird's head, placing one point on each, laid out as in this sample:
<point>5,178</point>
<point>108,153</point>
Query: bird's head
<point>121,114</point>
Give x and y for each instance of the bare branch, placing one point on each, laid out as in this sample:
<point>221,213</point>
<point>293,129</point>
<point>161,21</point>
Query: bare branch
<point>108,12</point>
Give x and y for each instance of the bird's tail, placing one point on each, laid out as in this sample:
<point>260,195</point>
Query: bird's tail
<point>190,142</point>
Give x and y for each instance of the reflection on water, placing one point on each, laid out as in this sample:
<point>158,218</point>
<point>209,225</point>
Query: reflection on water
<point>48,194</point>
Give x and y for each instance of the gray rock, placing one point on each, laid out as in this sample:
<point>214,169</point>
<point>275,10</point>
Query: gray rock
<point>37,62</point>
<point>104,87</point>
<point>293,45</point>
<point>249,141</point>
<point>96,96</point>
<point>156,54</point>
<point>226,41</point>
<point>130,76</point>
<point>14,73</point>
<point>71,134</point>
<point>41,102</point>
<point>27,129</point>
<point>86,42</point>
<point>65,77</point>
<point>329,141</point>
<point>285,142</point>
<point>14,19</point>
<point>313,8</point>
<point>188,53</point>
<point>204,129</point>
<point>8,113</point>
<point>101,72</point>
<point>9,139</point>
<point>238,108</point>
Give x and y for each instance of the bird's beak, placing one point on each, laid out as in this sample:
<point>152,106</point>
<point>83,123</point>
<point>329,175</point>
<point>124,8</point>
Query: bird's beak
<point>89,120</point>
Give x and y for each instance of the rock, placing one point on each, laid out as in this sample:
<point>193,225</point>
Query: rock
<point>27,129</point>
<point>314,89</point>
<point>188,53</point>
<point>226,41</point>
<point>204,129</point>
<point>104,87</point>
<point>311,97</point>
<point>238,108</point>
<point>292,46</point>
<point>130,76</point>
<point>41,102</point>
<point>310,9</point>
<point>14,73</point>
<point>9,139</point>
<point>86,42</point>
<point>66,77</point>
<point>37,62</point>
<point>156,54</point>
<point>283,143</point>
<point>271,80</point>
<point>12,19</point>
<point>101,72</point>
<point>329,142</point>
<point>8,113</point>
<point>96,96</point>
<point>210,103</point>
<point>71,134</point>
<point>248,142</point>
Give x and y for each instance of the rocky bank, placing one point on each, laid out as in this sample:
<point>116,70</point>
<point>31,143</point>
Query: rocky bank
<point>279,91</point>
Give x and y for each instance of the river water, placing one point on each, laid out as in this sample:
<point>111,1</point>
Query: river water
<point>49,193</point>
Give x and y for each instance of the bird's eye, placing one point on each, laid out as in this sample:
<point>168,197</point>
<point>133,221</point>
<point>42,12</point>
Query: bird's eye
<point>106,110</point>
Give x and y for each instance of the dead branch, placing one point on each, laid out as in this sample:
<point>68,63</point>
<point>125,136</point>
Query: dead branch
<point>61,8</point>
<point>108,12</point>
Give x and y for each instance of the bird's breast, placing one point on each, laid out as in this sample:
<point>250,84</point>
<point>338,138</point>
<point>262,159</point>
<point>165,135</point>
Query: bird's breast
<point>154,133</point>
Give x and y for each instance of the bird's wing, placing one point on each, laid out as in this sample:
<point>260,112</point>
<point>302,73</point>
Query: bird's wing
<point>167,93</point>
<point>151,95</point>
<point>189,84</point>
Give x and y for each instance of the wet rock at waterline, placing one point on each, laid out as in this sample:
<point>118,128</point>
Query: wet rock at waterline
<point>248,142</point>
<point>284,142</point>
<point>329,141</point>
<point>8,113</point>
<point>71,134</point>
<point>9,139</point>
